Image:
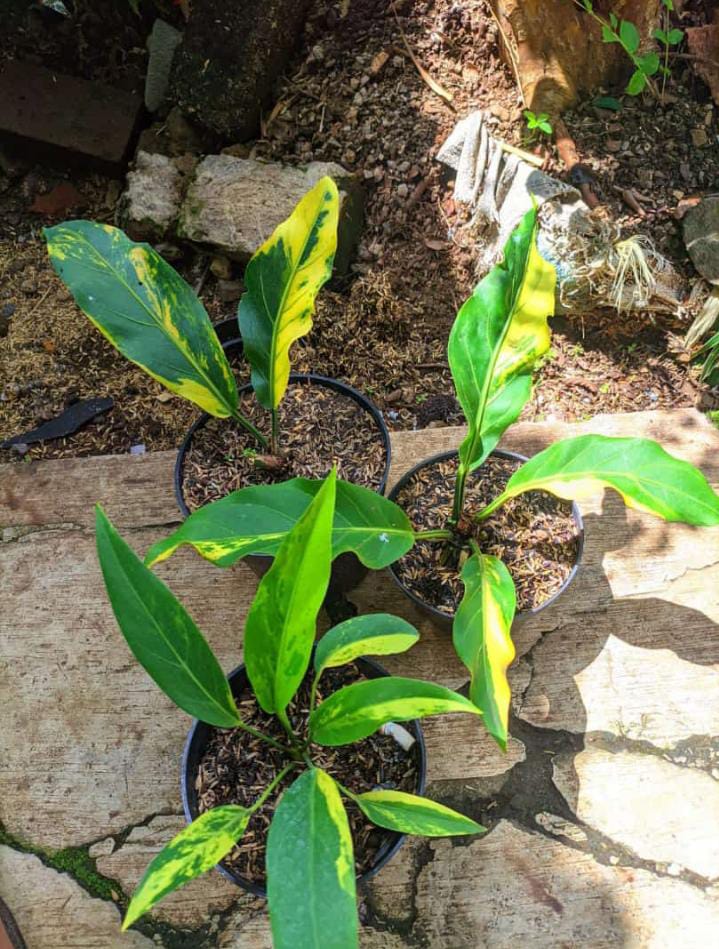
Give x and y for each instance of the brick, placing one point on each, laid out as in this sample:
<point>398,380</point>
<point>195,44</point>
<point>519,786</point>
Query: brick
<point>66,118</point>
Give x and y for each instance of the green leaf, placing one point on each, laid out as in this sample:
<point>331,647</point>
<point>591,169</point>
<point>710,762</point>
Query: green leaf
<point>194,850</point>
<point>360,709</point>
<point>649,63</point>
<point>410,814</point>
<point>647,477</point>
<point>497,338</point>
<point>161,634</point>
<point>660,35</point>
<point>608,36</point>
<point>256,520</point>
<point>282,280</point>
<point>608,102</point>
<point>146,310</point>
<point>613,19</point>
<point>281,624</point>
<point>311,888</point>
<point>674,37</point>
<point>636,83</point>
<point>482,638</point>
<point>376,634</point>
<point>546,127</point>
<point>629,35</point>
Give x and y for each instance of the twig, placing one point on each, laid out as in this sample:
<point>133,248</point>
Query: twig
<point>40,301</point>
<point>525,156</point>
<point>568,154</point>
<point>432,83</point>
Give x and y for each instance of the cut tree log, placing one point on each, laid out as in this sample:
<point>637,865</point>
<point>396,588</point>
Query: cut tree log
<point>556,49</point>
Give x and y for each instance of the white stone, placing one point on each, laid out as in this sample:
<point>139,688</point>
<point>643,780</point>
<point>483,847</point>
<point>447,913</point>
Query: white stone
<point>102,848</point>
<point>660,811</point>
<point>234,204</point>
<point>54,912</point>
<point>151,202</point>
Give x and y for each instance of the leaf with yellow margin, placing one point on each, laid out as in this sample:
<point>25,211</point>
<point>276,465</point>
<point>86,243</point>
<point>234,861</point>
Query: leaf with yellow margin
<point>311,885</point>
<point>498,336</point>
<point>482,638</point>
<point>282,280</point>
<point>146,310</point>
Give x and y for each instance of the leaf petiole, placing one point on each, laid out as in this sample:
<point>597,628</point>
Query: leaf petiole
<point>247,424</point>
<point>433,535</point>
<point>271,786</point>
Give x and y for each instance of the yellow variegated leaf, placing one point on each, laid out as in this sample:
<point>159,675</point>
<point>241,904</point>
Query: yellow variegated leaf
<point>497,338</point>
<point>146,310</point>
<point>282,280</point>
<point>482,638</point>
<point>311,886</point>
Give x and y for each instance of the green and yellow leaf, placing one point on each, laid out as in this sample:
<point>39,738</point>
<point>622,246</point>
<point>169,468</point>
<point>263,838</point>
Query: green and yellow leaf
<point>161,634</point>
<point>482,638</point>
<point>256,520</point>
<point>311,887</point>
<point>497,338</point>
<point>411,814</point>
<point>193,851</point>
<point>358,710</point>
<point>281,624</point>
<point>375,634</point>
<point>282,280</point>
<point>146,310</point>
<point>646,476</point>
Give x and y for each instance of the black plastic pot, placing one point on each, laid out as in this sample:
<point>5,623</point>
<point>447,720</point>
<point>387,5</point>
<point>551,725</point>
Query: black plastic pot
<point>198,738</point>
<point>347,569</point>
<point>228,333</point>
<point>443,620</point>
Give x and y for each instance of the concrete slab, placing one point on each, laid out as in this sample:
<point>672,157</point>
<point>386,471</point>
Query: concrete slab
<point>626,661</point>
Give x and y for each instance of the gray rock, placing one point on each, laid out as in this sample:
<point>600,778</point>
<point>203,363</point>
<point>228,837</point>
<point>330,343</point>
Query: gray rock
<point>229,59</point>
<point>701,237</point>
<point>161,45</point>
<point>151,203</point>
<point>234,204</point>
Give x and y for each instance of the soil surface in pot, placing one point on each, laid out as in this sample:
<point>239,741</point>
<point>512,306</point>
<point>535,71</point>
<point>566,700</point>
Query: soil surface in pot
<point>237,767</point>
<point>319,427</point>
<point>534,534</point>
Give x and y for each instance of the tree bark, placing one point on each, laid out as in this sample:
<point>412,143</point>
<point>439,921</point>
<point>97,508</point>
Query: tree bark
<point>556,49</point>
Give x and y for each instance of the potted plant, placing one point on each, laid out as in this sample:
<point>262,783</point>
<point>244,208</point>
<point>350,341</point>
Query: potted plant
<point>286,752</point>
<point>467,524</point>
<point>282,424</point>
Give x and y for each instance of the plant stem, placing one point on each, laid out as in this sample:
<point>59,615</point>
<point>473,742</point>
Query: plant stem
<point>270,741</point>
<point>271,786</point>
<point>247,424</point>
<point>433,535</point>
<point>665,18</point>
<point>458,503</point>
<point>275,436</point>
<point>285,722</point>
<point>313,691</point>
<point>490,508</point>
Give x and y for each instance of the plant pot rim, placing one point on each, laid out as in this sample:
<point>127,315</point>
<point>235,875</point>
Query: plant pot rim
<point>395,839</point>
<point>310,377</point>
<point>445,620</point>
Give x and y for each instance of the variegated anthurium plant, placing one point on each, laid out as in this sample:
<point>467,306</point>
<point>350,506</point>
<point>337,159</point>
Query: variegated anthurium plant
<point>155,319</point>
<point>310,865</point>
<point>499,335</point>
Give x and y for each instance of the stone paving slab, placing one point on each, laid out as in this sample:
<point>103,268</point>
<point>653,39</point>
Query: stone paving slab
<point>603,814</point>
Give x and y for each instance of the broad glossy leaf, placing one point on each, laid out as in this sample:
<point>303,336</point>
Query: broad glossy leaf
<point>482,638</point>
<point>145,309</point>
<point>375,634</point>
<point>194,850</point>
<point>161,634</point>
<point>256,520</point>
<point>497,338</point>
<point>282,280</point>
<point>360,709</point>
<point>647,477</point>
<point>311,888</point>
<point>636,84</point>
<point>281,624</point>
<point>410,814</point>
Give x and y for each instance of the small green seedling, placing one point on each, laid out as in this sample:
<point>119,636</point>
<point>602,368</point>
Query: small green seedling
<point>499,336</point>
<point>538,123</point>
<point>310,863</point>
<point>155,319</point>
<point>667,37</point>
<point>627,35</point>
